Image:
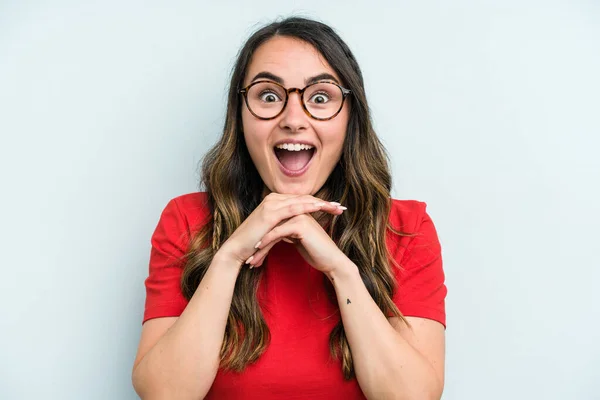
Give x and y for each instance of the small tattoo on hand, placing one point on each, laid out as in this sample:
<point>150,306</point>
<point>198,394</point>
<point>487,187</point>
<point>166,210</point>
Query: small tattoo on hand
<point>348,301</point>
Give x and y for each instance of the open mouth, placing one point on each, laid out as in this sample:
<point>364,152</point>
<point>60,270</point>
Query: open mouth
<point>294,158</point>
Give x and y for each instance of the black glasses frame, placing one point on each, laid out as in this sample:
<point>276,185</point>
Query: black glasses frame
<point>345,93</point>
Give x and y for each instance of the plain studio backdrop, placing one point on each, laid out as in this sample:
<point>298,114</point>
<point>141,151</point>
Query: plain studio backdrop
<point>490,112</point>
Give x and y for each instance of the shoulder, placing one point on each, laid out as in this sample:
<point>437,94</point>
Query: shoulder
<point>191,209</point>
<point>406,215</point>
<point>417,252</point>
<point>194,202</point>
<point>410,217</point>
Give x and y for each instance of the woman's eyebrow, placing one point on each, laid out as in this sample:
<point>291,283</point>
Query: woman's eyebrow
<point>321,77</point>
<point>307,81</point>
<point>269,76</point>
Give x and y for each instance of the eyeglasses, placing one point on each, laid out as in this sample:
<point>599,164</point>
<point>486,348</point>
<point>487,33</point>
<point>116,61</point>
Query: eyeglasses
<point>320,100</point>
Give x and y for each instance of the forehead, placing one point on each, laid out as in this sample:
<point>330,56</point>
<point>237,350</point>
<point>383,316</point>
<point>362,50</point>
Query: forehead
<point>293,60</point>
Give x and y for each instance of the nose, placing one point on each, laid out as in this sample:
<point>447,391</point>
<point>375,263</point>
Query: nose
<point>293,117</point>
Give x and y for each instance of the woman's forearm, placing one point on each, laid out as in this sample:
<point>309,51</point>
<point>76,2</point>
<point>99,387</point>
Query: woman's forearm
<point>184,362</point>
<point>386,365</point>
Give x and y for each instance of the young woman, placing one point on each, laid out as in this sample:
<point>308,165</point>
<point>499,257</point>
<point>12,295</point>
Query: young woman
<point>294,275</point>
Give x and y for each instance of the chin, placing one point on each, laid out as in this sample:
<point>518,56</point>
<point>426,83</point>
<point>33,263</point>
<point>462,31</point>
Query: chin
<point>296,188</point>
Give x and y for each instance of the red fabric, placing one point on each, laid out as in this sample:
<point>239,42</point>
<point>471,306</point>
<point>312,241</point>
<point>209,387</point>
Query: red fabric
<point>296,364</point>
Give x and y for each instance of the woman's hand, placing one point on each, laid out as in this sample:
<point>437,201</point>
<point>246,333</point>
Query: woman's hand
<point>312,242</point>
<point>275,209</point>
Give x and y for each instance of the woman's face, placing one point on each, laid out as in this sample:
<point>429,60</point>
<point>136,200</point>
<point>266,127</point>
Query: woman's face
<point>283,171</point>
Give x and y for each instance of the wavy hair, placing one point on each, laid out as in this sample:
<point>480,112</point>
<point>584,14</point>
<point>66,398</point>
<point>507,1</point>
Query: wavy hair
<point>361,181</point>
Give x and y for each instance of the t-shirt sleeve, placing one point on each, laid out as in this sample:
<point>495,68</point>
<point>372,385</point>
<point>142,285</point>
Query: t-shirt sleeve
<point>421,288</point>
<point>169,245</point>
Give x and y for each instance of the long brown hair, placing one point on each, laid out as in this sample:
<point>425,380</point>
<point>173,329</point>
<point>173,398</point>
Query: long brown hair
<point>361,181</point>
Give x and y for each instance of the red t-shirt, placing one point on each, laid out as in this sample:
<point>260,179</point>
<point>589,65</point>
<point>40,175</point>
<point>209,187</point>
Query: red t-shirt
<point>296,364</point>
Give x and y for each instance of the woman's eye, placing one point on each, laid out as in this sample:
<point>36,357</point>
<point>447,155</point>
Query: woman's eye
<point>319,98</point>
<point>269,97</point>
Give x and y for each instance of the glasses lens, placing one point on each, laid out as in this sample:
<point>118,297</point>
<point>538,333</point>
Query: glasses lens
<point>266,99</point>
<point>323,99</point>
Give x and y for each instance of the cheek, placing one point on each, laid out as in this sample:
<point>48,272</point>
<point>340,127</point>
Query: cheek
<point>247,124</point>
<point>336,137</point>
<point>251,130</point>
<point>256,135</point>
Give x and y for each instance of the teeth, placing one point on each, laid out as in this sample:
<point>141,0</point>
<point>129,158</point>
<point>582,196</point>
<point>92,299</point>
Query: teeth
<point>294,147</point>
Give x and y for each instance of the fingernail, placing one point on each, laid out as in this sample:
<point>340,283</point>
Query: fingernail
<point>320,204</point>
<point>335,203</point>
<point>258,244</point>
<point>342,208</point>
<point>249,259</point>
<point>252,266</point>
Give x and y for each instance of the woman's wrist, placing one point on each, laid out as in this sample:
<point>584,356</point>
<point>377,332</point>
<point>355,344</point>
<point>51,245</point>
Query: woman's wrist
<point>344,271</point>
<point>224,261</point>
